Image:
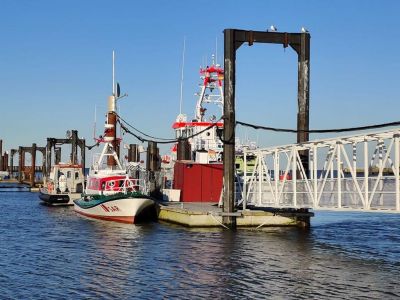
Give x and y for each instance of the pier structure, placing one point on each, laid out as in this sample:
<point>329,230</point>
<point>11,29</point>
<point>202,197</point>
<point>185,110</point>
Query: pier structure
<point>3,158</point>
<point>359,172</point>
<point>25,174</point>
<point>233,39</point>
<point>53,145</point>
<point>153,166</point>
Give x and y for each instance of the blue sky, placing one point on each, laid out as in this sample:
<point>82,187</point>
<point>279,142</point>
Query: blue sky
<point>55,64</point>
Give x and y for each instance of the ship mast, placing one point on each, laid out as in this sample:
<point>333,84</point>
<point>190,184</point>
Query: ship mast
<point>212,77</point>
<point>110,127</point>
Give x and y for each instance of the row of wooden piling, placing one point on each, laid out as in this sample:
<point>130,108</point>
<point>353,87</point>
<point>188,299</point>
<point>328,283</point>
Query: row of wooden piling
<point>26,174</point>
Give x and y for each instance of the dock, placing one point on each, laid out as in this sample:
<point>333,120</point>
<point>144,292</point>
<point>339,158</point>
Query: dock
<point>210,215</point>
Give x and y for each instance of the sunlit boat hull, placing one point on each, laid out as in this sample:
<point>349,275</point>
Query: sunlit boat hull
<point>118,208</point>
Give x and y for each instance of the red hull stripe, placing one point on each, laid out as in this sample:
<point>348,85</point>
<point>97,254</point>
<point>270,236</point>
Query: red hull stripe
<point>120,219</point>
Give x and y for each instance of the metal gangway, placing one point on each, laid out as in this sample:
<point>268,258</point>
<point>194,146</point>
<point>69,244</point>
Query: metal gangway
<point>359,172</point>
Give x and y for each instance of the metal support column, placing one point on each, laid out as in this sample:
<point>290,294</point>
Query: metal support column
<point>303,95</point>
<point>33,166</point>
<point>12,153</point>
<point>57,155</point>
<point>1,155</point>
<point>20,163</point>
<point>5,163</point>
<point>83,154</point>
<point>230,47</point>
<point>133,153</point>
<point>49,149</point>
<point>183,150</point>
<point>74,147</point>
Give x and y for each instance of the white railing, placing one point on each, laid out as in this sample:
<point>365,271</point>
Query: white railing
<point>353,172</point>
<point>126,185</point>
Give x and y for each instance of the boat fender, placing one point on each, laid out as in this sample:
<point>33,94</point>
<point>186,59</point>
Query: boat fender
<point>50,187</point>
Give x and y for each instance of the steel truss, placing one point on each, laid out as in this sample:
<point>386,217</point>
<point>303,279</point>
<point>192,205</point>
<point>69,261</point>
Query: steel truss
<point>355,172</point>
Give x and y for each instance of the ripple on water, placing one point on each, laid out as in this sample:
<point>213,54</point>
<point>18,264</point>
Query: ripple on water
<point>48,252</point>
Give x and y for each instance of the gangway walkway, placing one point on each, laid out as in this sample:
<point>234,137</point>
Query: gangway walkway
<point>359,172</point>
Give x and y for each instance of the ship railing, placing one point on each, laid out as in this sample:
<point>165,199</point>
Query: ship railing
<point>126,185</point>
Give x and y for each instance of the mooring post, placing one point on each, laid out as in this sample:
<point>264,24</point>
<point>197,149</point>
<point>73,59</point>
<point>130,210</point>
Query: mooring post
<point>57,155</point>
<point>133,153</point>
<point>5,163</point>
<point>183,150</point>
<point>152,159</point>
<point>134,156</point>
<point>33,155</point>
<point>1,156</point>
<point>43,151</point>
<point>74,147</point>
<point>152,165</point>
<point>303,96</point>
<point>49,149</point>
<point>20,163</point>
<point>83,155</point>
<point>12,153</point>
<point>229,128</point>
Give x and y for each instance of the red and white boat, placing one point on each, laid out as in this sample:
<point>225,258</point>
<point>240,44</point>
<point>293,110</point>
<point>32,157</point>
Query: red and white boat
<point>206,145</point>
<point>199,178</point>
<point>113,192</point>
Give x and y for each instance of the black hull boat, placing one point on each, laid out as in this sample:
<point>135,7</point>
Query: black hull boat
<point>56,199</point>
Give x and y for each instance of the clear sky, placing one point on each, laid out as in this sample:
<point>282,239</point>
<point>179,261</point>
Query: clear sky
<point>55,64</point>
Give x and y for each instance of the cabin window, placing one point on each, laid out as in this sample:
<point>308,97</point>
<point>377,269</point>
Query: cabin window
<point>111,183</point>
<point>237,166</point>
<point>76,175</point>
<point>69,174</point>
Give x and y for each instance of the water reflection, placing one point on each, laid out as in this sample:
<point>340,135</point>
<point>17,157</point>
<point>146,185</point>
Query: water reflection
<point>48,252</point>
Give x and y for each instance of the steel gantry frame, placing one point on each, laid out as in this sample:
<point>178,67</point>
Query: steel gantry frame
<point>358,172</point>
<point>233,39</point>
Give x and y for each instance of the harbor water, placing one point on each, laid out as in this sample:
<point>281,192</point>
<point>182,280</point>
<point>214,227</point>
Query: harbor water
<point>53,253</point>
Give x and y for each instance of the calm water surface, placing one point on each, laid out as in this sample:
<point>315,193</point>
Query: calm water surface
<point>52,253</point>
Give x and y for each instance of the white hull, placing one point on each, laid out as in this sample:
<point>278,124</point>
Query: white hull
<point>123,210</point>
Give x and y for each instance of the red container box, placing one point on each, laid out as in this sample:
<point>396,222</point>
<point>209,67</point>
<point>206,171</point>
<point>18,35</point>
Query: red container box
<point>198,182</point>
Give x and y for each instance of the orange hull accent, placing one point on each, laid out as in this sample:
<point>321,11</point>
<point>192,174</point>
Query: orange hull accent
<point>120,219</point>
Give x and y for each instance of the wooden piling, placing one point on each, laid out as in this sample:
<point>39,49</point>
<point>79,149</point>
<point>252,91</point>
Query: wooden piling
<point>33,166</point>
<point>133,153</point>
<point>20,163</point>
<point>1,156</point>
